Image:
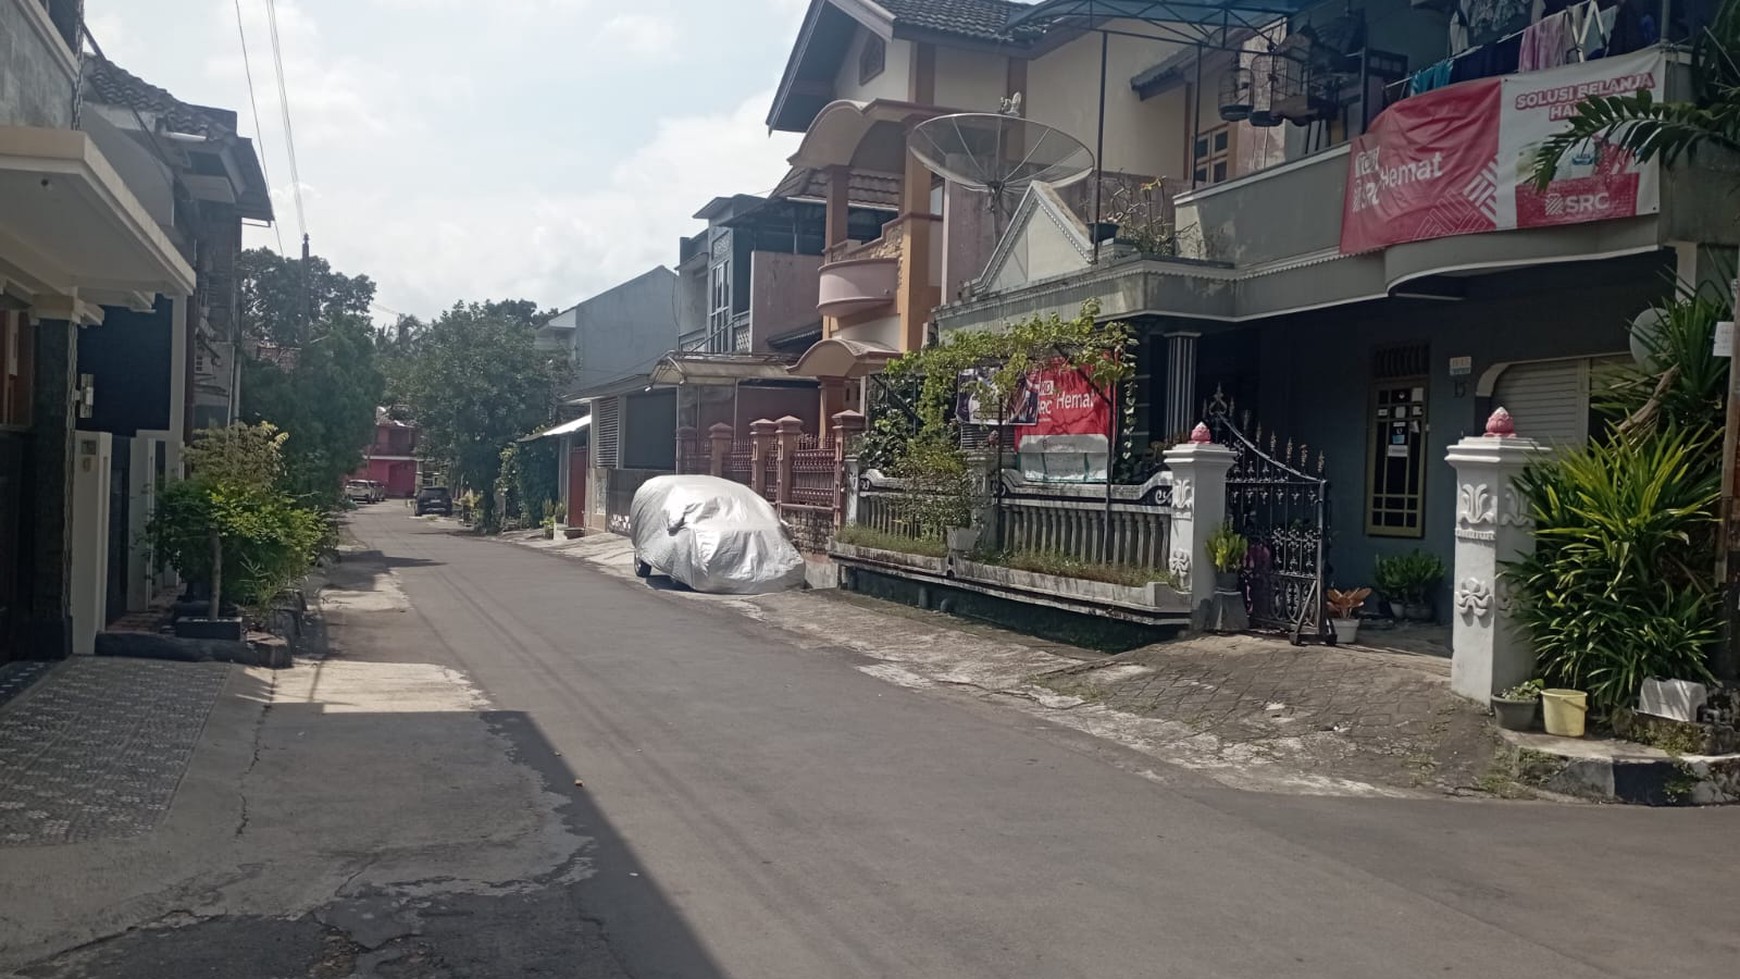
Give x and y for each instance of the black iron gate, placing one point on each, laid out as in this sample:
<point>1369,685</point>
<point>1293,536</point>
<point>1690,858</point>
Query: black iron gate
<point>1282,509</point>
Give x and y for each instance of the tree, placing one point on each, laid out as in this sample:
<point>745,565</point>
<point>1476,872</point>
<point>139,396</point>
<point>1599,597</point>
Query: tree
<point>277,306</point>
<point>474,380</point>
<point>325,392</point>
<point>326,399</point>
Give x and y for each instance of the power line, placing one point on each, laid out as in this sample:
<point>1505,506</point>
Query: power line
<point>259,133</point>
<point>284,106</point>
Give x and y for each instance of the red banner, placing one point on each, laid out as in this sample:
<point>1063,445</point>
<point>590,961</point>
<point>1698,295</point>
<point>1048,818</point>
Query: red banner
<point>1062,402</point>
<point>1460,160</point>
<point>1425,169</point>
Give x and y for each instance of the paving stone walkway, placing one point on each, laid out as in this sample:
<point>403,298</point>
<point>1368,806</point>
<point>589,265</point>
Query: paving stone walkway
<point>96,748</point>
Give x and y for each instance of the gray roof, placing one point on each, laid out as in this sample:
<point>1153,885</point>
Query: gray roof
<point>980,19</point>
<point>107,83</point>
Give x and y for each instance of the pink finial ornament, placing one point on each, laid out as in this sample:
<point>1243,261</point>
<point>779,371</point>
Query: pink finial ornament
<point>1500,425</point>
<point>1200,435</point>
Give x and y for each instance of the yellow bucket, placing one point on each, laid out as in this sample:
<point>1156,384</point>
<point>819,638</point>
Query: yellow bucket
<point>1564,711</point>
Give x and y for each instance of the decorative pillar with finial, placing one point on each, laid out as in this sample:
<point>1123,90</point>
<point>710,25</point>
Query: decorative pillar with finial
<point>1493,526</point>
<point>1199,469</point>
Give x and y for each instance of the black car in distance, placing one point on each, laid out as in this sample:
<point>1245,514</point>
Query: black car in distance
<point>434,499</point>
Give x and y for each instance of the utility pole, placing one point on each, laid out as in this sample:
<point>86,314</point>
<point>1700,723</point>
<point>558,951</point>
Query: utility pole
<point>307,308</point>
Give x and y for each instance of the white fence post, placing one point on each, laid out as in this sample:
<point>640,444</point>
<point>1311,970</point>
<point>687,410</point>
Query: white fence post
<point>1489,650</point>
<point>1199,469</point>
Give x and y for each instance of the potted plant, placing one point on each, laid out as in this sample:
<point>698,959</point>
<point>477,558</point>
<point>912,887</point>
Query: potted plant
<point>1226,549</point>
<point>1344,612</point>
<point>1407,582</point>
<point>1516,708</point>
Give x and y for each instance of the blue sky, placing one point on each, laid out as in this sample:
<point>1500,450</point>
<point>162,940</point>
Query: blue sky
<point>451,149</point>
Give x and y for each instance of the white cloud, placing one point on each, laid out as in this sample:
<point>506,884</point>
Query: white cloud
<point>555,248</point>
<point>452,150</point>
<point>641,34</point>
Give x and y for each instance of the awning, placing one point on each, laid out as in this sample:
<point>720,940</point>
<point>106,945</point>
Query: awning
<point>574,427</point>
<point>72,228</point>
<point>839,136</point>
<point>1211,13</point>
<point>720,369</point>
<point>835,358</point>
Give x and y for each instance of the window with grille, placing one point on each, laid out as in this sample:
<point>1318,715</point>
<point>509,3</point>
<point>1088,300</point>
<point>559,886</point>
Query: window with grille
<point>1396,457</point>
<point>719,338</point>
<point>1213,155</point>
<point>872,59</point>
<point>606,432</point>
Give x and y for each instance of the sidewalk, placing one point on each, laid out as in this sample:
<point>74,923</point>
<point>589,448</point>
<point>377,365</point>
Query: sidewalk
<point>1249,712</point>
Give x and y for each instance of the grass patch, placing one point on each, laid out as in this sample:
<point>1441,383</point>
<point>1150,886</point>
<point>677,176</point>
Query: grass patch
<point>1064,566</point>
<point>885,541</point>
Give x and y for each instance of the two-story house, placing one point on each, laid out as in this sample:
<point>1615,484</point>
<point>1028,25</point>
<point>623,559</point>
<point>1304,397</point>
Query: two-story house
<point>747,286</point>
<point>615,339</point>
<point>1389,278</point>
<point>391,458</point>
<point>862,75</point>
<point>151,372</point>
<point>83,234</point>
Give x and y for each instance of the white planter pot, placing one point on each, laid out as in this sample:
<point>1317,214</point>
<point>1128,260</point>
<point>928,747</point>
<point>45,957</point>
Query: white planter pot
<point>1346,630</point>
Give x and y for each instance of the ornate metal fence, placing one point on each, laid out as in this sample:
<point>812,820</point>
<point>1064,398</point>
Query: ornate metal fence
<point>814,472</point>
<point>740,461</point>
<point>1281,507</point>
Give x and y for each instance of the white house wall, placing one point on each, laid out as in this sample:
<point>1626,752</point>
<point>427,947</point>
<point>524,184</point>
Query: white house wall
<point>975,81</point>
<point>895,82</point>
<point>1142,137</point>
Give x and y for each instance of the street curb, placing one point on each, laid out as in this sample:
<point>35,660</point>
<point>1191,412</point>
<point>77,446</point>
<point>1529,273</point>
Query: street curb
<point>1620,773</point>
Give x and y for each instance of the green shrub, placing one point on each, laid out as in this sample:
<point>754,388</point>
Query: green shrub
<point>1409,578</point>
<point>267,541</point>
<point>882,540</point>
<point>1619,587</point>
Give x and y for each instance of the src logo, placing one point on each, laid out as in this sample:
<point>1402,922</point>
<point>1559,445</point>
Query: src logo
<point>1561,205</point>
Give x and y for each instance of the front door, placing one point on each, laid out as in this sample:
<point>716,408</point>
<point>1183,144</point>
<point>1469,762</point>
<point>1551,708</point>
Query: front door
<point>578,464</point>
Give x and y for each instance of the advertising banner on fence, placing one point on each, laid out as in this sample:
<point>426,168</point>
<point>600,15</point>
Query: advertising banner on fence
<point>1069,438</point>
<point>1458,160</point>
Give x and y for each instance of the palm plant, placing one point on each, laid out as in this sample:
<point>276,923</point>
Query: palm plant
<point>1668,130</point>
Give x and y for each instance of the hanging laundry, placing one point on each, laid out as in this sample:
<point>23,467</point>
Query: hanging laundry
<point>1545,43</point>
<point>1634,27</point>
<point>1488,61</point>
<point>1591,27</point>
<point>1431,77</point>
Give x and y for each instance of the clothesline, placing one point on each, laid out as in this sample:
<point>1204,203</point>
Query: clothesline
<point>1465,52</point>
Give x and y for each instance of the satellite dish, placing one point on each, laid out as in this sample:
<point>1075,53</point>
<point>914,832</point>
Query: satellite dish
<point>998,155</point>
<point>1644,330</point>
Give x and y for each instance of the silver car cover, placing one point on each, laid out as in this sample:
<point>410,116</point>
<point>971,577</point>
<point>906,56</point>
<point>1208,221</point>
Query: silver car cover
<point>713,535</point>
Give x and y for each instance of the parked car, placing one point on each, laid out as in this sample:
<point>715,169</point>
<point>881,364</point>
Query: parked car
<point>434,499</point>
<point>712,535</point>
<point>359,491</point>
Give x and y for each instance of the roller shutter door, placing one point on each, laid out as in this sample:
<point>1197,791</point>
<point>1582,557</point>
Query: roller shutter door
<point>1550,399</point>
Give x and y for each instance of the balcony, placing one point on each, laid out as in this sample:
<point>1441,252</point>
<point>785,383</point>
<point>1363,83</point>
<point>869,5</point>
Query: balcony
<point>861,278</point>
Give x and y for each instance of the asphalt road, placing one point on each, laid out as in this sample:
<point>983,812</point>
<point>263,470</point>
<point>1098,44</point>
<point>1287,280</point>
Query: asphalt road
<point>757,810</point>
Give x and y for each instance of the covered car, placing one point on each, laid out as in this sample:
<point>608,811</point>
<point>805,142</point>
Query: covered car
<point>713,535</point>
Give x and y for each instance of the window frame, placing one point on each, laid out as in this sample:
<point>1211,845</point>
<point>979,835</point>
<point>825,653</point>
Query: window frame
<point>1414,378</point>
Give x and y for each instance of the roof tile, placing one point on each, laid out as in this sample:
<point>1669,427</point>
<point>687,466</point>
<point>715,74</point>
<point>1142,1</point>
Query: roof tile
<point>980,19</point>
